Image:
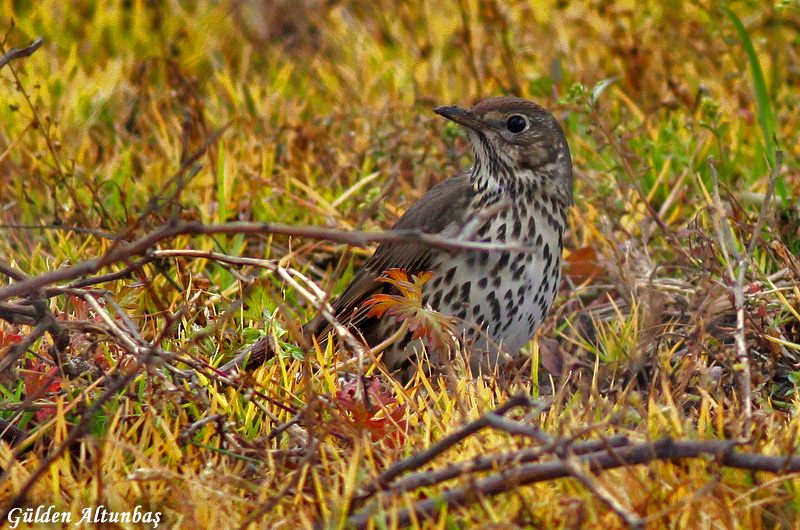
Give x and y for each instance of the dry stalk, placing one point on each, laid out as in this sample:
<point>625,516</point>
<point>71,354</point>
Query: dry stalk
<point>737,264</point>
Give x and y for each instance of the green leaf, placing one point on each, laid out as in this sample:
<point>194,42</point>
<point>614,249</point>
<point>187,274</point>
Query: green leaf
<point>765,116</point>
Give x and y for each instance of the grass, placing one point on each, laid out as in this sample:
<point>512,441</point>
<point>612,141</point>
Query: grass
<point>329,123</point>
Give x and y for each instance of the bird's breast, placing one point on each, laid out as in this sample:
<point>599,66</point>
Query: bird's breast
<point>500,297</point>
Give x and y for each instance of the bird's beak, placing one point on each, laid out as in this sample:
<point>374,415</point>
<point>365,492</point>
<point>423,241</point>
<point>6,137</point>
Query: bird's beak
<point>461,116</point>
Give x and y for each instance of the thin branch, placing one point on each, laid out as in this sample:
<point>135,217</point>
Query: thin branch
<point>736,264</point>
<point>635,454</point>
<point>17,53</point>
<point>17,350</point>
<point>488,462</point>
<point>573,464</point>
<point>142,245</point>
<point>420,459</point>
<point>10,433</point>
<point>124,338</point>
<point>561,447</point>
<point>530,431</point>
<point>11,272</point>
<point>354,238</point>
<point>121,274</point>
<point>18,313</point>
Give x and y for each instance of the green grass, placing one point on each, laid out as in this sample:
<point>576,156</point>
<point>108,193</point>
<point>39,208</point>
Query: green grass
<point>330,123</point>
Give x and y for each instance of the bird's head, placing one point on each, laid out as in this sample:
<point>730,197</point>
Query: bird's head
<point>517,144</point>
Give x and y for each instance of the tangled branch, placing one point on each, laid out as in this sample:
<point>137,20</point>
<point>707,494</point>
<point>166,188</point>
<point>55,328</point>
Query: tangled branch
<point>552,458</point>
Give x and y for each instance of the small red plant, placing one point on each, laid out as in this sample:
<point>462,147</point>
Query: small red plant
<point>376,412</point>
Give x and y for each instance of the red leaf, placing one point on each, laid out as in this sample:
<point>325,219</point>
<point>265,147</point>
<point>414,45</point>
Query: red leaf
<point>583,265</point>
<point>376,415</point>
<point>8,338</point>
<point>37,375</point>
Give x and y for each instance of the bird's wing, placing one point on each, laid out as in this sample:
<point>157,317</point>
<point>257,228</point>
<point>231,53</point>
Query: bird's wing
<point>441,207</point>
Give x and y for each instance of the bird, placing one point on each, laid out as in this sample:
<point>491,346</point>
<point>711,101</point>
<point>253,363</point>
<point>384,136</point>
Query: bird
<point>514,197</point>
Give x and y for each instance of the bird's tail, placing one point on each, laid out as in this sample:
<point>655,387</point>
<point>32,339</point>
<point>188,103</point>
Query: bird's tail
<point>250,357</point>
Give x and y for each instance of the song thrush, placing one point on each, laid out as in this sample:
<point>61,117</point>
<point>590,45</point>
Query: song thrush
<point>516,194</point>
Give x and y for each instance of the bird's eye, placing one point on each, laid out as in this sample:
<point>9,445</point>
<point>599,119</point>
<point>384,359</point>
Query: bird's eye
<point>516,123</point>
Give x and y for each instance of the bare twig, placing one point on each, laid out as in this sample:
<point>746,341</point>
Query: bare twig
<point>513,427</point>
<point>634,454</point>
<point>486,463</point>
<point>123,273</point>
<point>129,342</point>
<point>420,459</point>
<point>188,431</point>
<point>17,350</point>
<point>142,245</point>
<point>18,313</point>
<point>561,447</point>
<point>16,53</point>
<point>10,433</point>
<point>573,464</point>
<point>11,272</point>
<point>737,264</point>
